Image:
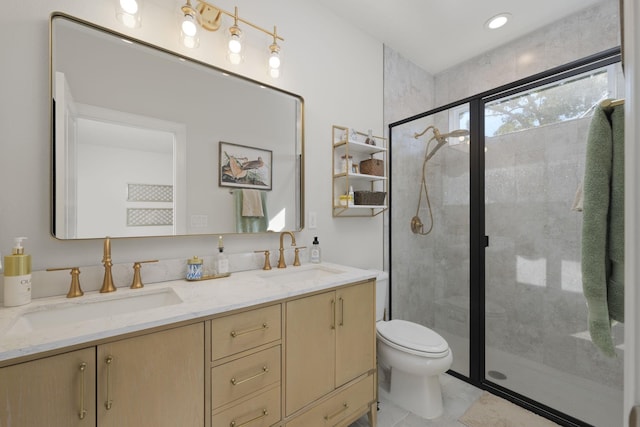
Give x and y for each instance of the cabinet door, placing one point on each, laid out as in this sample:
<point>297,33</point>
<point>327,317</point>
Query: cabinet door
<point>310,349</point>
<point>355,331</point>
<point>153,380</point>
<point>54,391</point>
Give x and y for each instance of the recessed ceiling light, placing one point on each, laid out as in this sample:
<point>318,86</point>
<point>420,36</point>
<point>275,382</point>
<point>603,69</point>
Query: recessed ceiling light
<point>497,21</point>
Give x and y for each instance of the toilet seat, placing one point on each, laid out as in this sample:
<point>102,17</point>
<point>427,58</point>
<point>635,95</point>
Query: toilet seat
<point>412,338</point>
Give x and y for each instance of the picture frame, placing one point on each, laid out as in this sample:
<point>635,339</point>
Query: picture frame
<point>242,166</point>
<point>355,168</point>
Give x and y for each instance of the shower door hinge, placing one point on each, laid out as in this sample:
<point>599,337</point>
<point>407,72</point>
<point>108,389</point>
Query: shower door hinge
<point>486,241</point>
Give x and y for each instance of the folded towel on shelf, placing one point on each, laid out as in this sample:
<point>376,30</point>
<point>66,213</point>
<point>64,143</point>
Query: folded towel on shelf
<point>603,225</point>
<point>252,203</point>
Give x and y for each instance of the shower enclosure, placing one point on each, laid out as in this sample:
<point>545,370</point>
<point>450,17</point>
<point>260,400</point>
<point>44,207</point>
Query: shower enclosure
<point>499,275</point>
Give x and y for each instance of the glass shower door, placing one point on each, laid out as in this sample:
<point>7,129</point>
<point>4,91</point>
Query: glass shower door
<point>430,227</point>
<point>536,342</point>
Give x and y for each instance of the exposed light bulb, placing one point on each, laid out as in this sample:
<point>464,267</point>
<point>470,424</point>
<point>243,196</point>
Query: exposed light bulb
<point>129,6</point>
<point>189,21</point>
<point>235,45</point>
<point>274,60</point>
<point>189,27</point>
<point>128,12</point>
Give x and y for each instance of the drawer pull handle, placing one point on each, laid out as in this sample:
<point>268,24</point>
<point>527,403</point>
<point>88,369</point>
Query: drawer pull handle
<point>109,402</point>
<point>235,334</point>
<point>345,406</point>
<point>263,414</point>
<point>83,412</point>
<point>265,369</point>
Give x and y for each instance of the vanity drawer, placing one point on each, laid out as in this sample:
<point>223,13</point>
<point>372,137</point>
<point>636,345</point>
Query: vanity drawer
<point>244,376</point>
<point>242,331</point>
<point>343,405</point>
<point>261,411</point>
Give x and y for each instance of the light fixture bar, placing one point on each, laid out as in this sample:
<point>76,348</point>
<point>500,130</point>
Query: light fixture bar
<point>215,10</point>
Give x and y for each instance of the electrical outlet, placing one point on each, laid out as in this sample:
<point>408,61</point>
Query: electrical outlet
<point>313,221</point>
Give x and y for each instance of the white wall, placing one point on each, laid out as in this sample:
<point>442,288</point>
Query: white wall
<point>336,68</point>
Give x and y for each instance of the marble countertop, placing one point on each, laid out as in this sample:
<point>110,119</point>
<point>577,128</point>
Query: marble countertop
<point>18,337</point>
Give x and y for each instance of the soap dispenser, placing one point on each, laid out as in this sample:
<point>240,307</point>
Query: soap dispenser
<point>315,251</point>
<point>17,276</point>
<point>222,262</point>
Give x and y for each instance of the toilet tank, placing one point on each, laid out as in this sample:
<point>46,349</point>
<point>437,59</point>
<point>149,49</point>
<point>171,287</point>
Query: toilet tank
<point>382,290</point>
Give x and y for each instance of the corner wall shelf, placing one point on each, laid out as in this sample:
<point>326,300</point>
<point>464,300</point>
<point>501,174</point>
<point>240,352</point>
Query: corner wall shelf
<point>354,151</point>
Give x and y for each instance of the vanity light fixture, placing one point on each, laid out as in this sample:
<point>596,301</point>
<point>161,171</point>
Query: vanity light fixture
<point>497,21</point>
<point>128,12</point>
<point>189,26</point>
<point>209,17</point>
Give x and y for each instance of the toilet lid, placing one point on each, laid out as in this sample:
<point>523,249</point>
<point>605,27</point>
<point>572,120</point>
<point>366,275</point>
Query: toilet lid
<point>412,336</point>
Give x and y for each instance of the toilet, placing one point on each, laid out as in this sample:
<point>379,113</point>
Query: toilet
<point>415,355</point>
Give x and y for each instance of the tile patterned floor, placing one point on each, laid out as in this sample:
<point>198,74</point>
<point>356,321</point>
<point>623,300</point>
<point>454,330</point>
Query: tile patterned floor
<point>457,396</point>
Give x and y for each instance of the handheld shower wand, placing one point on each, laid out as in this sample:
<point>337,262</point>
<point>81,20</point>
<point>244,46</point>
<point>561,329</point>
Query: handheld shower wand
<point>417,227</point>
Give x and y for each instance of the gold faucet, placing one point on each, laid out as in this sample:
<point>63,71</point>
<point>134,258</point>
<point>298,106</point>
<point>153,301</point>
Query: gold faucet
<point>107,283</point>
<point>281,263</point>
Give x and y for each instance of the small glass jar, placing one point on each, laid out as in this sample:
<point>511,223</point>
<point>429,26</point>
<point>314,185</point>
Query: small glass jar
<point>347,163</point>
<point>194,268</point>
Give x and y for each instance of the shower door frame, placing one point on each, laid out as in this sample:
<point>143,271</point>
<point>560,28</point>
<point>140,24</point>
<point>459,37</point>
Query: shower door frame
<point>479,241</point>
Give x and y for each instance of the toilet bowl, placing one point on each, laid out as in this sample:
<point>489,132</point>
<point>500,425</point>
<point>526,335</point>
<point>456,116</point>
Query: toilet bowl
<point>416,356</point>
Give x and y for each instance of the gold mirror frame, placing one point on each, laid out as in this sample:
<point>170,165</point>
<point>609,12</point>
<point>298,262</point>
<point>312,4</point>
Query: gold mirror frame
<point>293,158</point>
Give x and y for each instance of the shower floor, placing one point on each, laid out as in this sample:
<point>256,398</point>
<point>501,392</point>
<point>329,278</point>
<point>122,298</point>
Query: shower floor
<point>586,400</point>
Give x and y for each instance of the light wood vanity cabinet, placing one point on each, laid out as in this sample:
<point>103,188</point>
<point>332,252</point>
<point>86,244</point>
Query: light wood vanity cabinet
<point>148,380</point>
<point>246,363</point>
<point>330,365</point>
<point>152,380</point>
<point>303,361</point>
<point>53,391</point>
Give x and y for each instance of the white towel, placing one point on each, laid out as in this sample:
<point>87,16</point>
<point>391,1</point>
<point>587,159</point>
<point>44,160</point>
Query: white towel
<point>252,203</point>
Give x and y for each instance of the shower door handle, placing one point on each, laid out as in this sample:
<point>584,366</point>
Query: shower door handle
<point>486,241</point>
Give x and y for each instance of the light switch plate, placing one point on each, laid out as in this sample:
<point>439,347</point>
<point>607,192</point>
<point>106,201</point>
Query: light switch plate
<point>313,221</point>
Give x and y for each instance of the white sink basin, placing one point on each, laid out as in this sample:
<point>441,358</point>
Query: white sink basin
<point>299,274</point>
<point>69,313</point>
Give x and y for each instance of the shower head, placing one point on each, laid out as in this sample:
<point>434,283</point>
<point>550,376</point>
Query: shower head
<point>453,134</point>
<point>440,137</point>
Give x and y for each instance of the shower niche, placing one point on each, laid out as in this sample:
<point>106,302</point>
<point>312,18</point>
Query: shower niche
<point>359,169</point>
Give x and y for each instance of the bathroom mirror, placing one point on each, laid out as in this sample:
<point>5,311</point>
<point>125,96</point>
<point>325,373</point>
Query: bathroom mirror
<point>150,143</point>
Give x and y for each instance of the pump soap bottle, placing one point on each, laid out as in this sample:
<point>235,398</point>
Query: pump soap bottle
<point>17,276</point>
<point>315,251</point>
<point>222,262</point>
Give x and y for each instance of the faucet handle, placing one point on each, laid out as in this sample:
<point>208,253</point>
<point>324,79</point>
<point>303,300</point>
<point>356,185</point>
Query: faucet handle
<point>74,289</point>
<point>267,261</point>
<point>137,279</point>
<point>296,261</point>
